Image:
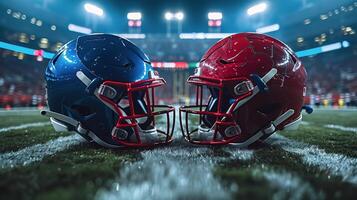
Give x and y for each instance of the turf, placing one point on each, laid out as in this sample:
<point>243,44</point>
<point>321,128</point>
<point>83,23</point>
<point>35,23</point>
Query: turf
<point>72,174</point>
<point>79,172</point>
<point>18,139</point>
<point>332,140</point>
<point>248,176</point>
<point>14,120</point>
<point>340,117</point>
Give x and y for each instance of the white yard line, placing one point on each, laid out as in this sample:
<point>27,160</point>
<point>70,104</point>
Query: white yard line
<point>23,126</point>
<point>37,152</point>
<point>341,128</point>
<point>290,186</point>
<point>336,164</point>
<point>177,171</point>
<point>173,172</point>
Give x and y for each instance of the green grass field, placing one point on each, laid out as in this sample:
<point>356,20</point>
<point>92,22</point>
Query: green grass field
<point>285,168</point>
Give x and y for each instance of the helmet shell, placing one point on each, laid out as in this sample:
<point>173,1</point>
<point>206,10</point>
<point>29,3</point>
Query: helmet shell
<point>103,56</point>
<point>244,54</point>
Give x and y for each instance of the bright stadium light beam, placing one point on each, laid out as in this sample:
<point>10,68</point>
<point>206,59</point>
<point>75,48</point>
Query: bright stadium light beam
<point>17,48</point>
<point>257,9</point>
<point>322,49</point>
<point>268,29</point>
<point>134,16</point>
<point>24,50</point>
<point>215,16</point>
<point>179,16</point>
<point>169,16</point>
<point>79,29</point>
<point>331,47</point>
<point>93,9</point>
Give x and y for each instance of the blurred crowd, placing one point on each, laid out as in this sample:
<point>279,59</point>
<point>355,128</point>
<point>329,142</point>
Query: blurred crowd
<point>332,76</point>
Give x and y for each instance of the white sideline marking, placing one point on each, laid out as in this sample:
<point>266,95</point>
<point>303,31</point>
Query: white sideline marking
<point>290,186</point>
<point>23,126</point>
<point>336,164</point>
<point>174,172</point>
<point>37,152</point>
<point>342,128</point>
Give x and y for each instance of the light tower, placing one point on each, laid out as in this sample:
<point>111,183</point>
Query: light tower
<point>134,22</point>
<point>174,17</point>
<point>214,21</point>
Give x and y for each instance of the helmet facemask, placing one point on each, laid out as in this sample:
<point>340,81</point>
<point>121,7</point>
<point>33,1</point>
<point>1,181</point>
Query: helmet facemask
<point>214,119</point>
<point>218,118</point>
<point>137,113</point>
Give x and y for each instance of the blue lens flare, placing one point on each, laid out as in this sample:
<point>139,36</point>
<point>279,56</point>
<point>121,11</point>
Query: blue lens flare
<point>303,53</point>
<point>24,50</point>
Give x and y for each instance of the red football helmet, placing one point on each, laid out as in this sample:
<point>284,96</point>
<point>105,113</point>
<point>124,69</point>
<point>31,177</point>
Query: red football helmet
<point>256,86</point>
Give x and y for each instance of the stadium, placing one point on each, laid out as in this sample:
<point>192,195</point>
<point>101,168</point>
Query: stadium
<point>318,160</point>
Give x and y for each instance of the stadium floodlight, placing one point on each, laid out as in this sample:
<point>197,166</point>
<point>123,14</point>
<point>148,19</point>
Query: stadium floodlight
<point>134,16</point>
<point>268,29</point>
<point>215,16</point>
<point>261,7</point>
<point>79,29</point>
<point>174,16</point>
<point>93,9</point>
<point>179,16</point>
<point>169,16</point>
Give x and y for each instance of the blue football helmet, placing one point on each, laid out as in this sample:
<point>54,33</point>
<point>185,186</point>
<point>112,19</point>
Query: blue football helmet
<point>102,87</point>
